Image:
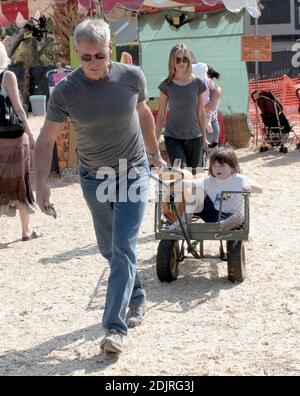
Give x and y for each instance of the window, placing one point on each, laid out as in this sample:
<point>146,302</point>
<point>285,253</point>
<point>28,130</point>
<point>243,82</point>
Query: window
<point>275,12</point>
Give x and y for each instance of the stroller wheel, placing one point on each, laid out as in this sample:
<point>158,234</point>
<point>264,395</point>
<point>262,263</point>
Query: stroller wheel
<point>262,149</point>
<point>285,150</point>
<point>281,149</point>
<point>298,146</point>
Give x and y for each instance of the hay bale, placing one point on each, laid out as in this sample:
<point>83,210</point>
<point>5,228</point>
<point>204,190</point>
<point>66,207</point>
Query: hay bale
<point>237,130</point>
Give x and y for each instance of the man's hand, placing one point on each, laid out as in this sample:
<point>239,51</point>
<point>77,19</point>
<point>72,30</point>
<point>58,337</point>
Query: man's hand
<point>43,196</point>
<point>156,161</point>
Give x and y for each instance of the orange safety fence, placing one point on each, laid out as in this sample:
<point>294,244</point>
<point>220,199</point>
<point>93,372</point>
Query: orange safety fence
<point>284,88</point>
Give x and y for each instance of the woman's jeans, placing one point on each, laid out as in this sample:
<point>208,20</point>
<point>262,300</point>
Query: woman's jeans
<point>117,205</point>
<point>214,136</point>
<point>189,151</point>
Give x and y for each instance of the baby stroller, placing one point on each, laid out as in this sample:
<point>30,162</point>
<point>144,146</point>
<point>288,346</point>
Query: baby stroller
<point>276,128</point>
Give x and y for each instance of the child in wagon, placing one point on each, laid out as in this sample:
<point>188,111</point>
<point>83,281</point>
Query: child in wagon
<point>203,195</point>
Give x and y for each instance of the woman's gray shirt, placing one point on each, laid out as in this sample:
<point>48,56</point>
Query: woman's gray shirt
<point>183,121</point>
<point>104,115</point>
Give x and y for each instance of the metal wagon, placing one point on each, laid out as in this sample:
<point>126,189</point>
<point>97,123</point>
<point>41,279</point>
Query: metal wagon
<point>173,248</point>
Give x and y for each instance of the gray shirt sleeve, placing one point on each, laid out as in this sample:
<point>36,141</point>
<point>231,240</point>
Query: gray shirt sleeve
<point>201,86</point>
<point>163,87</point>
<point>142,87</point>
<point>57,109</point>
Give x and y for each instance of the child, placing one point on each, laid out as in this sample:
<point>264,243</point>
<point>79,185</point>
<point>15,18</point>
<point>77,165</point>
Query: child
<point>200,70</point>
<point>207,192</point>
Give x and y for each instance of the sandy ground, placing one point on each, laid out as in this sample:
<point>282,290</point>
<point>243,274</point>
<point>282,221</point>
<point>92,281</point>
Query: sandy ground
<point>53,289</point>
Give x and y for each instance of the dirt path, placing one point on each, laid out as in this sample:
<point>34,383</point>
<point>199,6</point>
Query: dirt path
<point>53,289</point>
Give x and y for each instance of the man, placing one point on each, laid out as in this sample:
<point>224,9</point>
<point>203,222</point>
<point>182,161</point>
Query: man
<point>106,103</point>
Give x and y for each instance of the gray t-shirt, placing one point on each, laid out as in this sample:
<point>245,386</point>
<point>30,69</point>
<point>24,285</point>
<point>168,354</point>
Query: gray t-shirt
<point>183,121</point>
<point>104,115</point>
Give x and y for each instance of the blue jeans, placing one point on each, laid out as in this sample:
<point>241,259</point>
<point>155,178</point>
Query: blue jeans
<point>214,136</point>
<point>189,151</point>
<point>116,224</point>
<point>209,213</point>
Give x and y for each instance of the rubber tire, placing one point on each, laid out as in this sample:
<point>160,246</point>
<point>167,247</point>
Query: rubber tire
<point>167,260</point>
<point>236,261</point>
<point>223,255</point>
<point>285,150</point>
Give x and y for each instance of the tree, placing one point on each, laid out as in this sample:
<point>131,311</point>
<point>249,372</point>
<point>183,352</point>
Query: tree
<point>65,17</point>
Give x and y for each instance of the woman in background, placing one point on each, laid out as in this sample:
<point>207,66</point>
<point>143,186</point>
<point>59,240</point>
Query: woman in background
<point>15,189</point>
<point>182,93</point>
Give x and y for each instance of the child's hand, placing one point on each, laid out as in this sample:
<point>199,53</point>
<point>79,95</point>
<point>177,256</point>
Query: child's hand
<point>231,222</point>
<point>247,188</point>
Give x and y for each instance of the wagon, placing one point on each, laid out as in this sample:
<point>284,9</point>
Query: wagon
<point>173,248</point>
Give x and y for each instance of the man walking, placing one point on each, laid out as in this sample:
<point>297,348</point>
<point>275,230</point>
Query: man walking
<point>106,103</point>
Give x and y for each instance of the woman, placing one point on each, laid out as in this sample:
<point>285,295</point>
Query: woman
<point>182,92</point>
<point>211,108</point>
<point>15,188</point>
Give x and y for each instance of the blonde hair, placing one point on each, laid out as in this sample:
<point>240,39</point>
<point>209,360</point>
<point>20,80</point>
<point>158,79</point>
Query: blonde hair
<point>172,59</point>
<point>4,59</point>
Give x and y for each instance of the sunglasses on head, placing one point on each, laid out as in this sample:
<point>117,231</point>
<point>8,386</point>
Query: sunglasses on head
<point>89,57</point>
<point>183,60</point>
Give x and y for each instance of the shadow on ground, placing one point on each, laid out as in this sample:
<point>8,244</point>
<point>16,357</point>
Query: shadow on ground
<point>39,360</point>
<point>273,157</point>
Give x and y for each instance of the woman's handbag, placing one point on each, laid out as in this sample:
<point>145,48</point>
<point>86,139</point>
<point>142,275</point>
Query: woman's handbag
<point>10,123</point>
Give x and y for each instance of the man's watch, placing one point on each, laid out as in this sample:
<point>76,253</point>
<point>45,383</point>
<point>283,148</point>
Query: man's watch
<point>152,156</point>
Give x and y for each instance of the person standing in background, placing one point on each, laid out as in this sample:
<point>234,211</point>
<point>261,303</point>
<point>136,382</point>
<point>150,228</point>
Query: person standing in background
<point>182,92</point>
<point>15,187</point>
<point>211,108</point>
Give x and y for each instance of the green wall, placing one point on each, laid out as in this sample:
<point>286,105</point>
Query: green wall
<point>214,38</point>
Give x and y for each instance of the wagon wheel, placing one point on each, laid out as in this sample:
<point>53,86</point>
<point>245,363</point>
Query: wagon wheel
<point>167,259</point>
<point>236,261</point>
<point>223,254</point>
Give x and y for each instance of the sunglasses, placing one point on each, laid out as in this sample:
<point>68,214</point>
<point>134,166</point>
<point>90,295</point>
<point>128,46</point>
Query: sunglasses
<point>88,57</point>
<point>183,60</point>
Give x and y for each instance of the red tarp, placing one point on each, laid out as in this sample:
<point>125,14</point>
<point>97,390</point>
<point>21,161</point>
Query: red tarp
<point>137,5</point>
<point>10,11</point>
